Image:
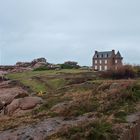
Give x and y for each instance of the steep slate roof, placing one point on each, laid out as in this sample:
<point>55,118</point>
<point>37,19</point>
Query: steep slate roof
<point>118,55</point>
<point>107,54</point>
<point>103,54</point>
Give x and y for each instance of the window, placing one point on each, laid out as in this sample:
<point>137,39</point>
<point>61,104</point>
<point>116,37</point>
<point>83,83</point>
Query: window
<point>100,61</point>
<point>105,61</point>
<point>107,55</point>
<point>105,68</point>
<point>100,68</point>
<point>96,67</point>
<point>116,61</point>
<point>102,55</point>
<point>95,61</point>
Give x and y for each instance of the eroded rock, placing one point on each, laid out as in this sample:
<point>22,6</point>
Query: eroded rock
<point>44,129</point>
<point>13,106</point>
<point>25,103</point>
<point>61,107</point>
<point>29,102</point>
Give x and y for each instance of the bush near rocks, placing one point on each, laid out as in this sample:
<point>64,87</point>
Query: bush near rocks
<point>123,72</point>
<point>42,68</point>
<point>69,65</point>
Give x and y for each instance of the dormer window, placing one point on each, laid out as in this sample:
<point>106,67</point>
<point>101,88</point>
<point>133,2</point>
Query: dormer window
<point>102,55</point>
<point>107,55</point>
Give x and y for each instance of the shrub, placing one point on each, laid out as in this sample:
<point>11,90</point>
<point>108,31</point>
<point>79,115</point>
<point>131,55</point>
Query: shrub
<point>68,66</point>
<point>137,70</point>
<point>123,72</point>
<point>41,68</point>
<point>120,116</point>
<point>99,130</point>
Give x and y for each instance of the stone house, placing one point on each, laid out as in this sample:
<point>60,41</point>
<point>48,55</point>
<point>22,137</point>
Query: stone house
<point>107,60</point>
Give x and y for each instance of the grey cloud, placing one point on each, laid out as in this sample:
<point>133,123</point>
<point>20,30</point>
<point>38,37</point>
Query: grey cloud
<point>63,30</point>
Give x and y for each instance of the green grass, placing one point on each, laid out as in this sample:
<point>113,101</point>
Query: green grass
<point>34,85</point>
<point>27,78</point>
<point>29,74</point>
<point>120,116</point>
<point>57,83</point>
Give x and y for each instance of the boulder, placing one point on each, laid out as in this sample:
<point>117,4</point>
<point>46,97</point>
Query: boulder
<point>8,93</point>
<point>7,98</point>
<point>23,64</point>
<point>133,118</point>
<point>20,104</point>
<point>29,102</point>
<point>39,64</point>
<point>1,105</point>
<point>13,106</point>
<point>39,60</point>
<point>61,107</point>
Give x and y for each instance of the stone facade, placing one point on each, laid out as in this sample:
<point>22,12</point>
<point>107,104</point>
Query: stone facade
<point>103,61</point>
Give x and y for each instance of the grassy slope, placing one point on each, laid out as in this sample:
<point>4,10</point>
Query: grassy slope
<point>89,95</point>
<point>27,78</point>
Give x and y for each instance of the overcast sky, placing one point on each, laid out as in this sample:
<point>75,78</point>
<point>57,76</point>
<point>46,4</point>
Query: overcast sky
<point>62,30</point>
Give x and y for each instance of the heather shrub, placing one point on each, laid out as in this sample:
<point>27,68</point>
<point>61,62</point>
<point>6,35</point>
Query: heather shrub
<point>42,68</point>
<point>123,72</point>
<point>98,130</point>
<point>137,70</point>
<point>68,66</point>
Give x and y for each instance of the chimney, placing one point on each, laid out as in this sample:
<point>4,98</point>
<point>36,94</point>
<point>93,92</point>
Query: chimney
<point>113,51</point>
<point>96,52</point>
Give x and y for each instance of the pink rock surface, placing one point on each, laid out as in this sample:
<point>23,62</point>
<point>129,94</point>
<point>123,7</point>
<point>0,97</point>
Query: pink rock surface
<point>29,102</point>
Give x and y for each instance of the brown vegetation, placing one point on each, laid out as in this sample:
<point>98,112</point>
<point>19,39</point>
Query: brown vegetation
<point>123,72</point>
<point>78,105</point>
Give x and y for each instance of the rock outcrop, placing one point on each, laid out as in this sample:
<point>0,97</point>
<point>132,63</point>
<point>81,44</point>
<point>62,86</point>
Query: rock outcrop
<point>15,98</point>
<point>61,107</point>
<point>26,66</point>
<point>25,103</point>
<point>44,129</point>
<point>39,62</point>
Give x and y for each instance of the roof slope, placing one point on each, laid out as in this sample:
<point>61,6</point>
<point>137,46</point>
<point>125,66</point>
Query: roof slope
<point>104,54</point>
<point>118,55</point>
<point>107,54</point>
